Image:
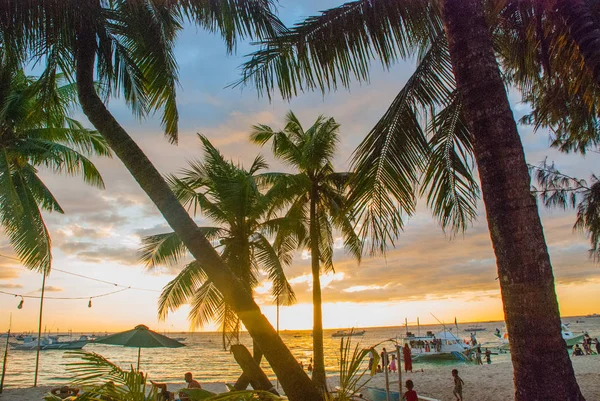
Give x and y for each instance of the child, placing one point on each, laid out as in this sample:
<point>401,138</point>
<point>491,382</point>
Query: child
<point>458,384</point>
<point>410,395</point>
<point>393,364</point>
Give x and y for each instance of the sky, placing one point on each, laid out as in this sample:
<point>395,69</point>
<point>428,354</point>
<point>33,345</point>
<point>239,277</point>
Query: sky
<point>427,273</point>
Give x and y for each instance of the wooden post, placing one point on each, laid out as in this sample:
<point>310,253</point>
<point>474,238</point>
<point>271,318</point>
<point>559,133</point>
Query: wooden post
<point>5,355</point>
<point>398,348</point>
<point>37,355</point>
<point>385,370</point>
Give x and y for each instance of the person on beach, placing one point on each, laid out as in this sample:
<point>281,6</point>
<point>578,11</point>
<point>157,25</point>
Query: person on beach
<point>379,369</point>
<point>458,385</point>
<point>371,359</point>
<point>191,383</point>
<point>597,346</point>
<point>407,356</point>
<point>65,392</point>
<point>410,395</point>
<point>478,356</point>
<point>393,364</point>
<point>310,368</point>
<point>577,350</point>
<point>384,359</point>
<point>164,394</point>
<point>488,356</point>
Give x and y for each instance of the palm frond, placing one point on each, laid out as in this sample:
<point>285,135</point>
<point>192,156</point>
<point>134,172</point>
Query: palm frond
<point>333,48</point>
<point>181,289</point>
<point>386,164</point>
<point>269,260</point>
<point>167,249</point>
<point>452,191</point>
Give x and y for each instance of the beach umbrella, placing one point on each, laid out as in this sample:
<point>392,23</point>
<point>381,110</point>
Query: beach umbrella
<point>140,337</point>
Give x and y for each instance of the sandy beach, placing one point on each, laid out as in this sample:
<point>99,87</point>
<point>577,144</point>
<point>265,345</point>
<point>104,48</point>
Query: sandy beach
<point>482,383</point>
<point>488,382</point>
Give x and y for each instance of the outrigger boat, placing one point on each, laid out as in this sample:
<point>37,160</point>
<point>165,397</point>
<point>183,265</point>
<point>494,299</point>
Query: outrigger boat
<point>30,343</point>
<point>570,338</point>
<point>437,346</point>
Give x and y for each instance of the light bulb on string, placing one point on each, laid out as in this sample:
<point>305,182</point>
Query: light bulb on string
<point>90,303</point>
<point>20,306</point>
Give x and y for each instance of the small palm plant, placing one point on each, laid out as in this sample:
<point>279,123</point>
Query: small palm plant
<point>102,380</point>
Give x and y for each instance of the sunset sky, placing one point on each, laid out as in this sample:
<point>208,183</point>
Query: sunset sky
<point>427,272</point>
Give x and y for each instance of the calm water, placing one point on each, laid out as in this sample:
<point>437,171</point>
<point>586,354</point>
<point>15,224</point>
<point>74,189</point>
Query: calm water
<point>205,357</point>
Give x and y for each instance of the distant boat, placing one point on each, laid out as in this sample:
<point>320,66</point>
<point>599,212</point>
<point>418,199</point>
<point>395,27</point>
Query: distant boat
<point>593,315</point>
<point>475,328</point>
<point>47,343</point>
<point>178,338</point>
<point>348,333</point>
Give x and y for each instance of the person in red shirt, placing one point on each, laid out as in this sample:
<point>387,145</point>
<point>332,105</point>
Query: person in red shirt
<point>410,395</point>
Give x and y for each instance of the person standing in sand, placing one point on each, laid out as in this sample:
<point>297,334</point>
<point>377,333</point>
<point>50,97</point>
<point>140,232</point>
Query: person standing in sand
<point>406,354</point>
<point>393,363</point>
<point>478,356</point>
<point>458,385</point>
<point>488,356</point>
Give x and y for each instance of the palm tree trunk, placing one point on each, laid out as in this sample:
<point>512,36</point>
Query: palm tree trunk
<point>293,379</point>
<point>584,31</point>
<point>542,368</point>
<point>318,375</point>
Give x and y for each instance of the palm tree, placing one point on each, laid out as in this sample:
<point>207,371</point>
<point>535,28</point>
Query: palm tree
<point>232,198</point>
<point>457,86</point>
<point>129,45</point>
<point>36,132</point>
<point>317,198</point>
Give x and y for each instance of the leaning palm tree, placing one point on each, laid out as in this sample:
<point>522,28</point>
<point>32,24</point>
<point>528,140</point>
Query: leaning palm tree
<point>316,196</point>
<point>235,200</point>
<point>458,89</point>
<point>129,46</point>
<point>37,132</point>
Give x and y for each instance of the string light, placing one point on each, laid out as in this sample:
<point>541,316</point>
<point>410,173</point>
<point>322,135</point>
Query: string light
<point>90,303</point>
<point>20,306</point>
<point>63,298</point>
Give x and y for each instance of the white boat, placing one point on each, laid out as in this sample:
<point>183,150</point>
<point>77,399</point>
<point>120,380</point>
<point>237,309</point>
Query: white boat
<point>30,343</point>
<point>442,345</point>
<point>348,333</point>
<point>567,335</point>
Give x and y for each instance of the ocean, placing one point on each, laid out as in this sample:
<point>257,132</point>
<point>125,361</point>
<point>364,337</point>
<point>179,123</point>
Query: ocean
<point>205,357</point>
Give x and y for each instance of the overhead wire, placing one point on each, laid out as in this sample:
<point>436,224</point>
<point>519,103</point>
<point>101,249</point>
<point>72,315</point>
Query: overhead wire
<point>90,278</point>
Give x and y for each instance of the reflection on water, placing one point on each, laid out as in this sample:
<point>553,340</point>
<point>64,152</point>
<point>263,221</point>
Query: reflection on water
<point>205,357</point>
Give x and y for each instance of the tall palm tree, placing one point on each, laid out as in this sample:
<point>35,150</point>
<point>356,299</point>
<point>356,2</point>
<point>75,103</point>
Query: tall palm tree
<point>317,198</point>
<point>129,45</point>
<point>37,132</point>
<point>234,199</point>
<point>458,88</point>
